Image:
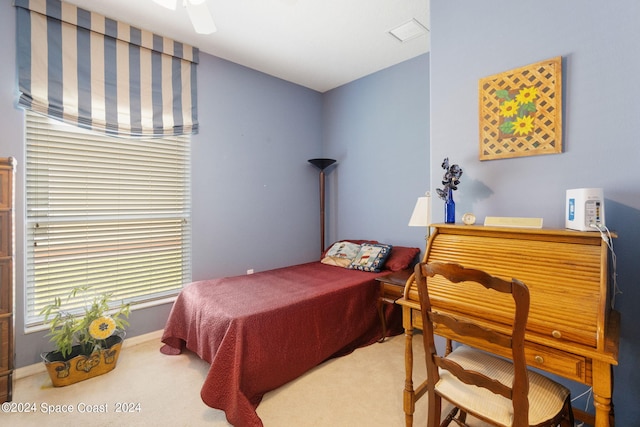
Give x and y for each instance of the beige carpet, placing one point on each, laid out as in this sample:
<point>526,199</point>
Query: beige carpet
<point>360,389</point>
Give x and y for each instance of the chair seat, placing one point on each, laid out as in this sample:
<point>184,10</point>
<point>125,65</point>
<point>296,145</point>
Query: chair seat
<point>546,397</point>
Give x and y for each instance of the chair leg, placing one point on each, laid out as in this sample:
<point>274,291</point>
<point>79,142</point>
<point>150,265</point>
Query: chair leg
<point>567,419</point>
<point>434,409</point>
<point>449,417</point>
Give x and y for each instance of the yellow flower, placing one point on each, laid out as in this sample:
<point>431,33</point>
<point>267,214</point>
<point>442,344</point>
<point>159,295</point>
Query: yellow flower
<point>526,95</point>
<point>523,125</point>
<point>509,108</point>
<point>102,328</point>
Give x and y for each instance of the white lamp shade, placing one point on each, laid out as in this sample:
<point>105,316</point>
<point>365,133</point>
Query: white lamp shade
<point>421,216</point>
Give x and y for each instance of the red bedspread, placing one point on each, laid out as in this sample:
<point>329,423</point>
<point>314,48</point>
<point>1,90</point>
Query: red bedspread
<point>260,331</point>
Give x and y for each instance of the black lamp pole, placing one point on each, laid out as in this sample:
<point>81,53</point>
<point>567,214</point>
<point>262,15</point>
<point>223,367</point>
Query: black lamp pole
<point>322,164</point>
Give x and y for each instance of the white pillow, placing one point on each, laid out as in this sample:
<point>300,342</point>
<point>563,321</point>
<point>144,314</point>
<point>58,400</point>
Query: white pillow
<point>341,254</point>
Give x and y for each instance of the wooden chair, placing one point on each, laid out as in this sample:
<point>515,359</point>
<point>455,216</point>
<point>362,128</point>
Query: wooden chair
<point>495,390</point>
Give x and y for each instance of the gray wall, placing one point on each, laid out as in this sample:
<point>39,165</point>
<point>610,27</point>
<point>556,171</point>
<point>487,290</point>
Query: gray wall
<point>601,65</point>
<point>255,196</point>
<point>378,129</point>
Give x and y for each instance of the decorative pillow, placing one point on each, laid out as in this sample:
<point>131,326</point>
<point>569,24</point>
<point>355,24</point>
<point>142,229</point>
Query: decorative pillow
<point>341,254</point>
<point>371,257</point>
<point>401,258</point>
<point>357,242</point>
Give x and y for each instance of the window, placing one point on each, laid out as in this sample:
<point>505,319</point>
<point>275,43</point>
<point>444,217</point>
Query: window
<point>109,212</point>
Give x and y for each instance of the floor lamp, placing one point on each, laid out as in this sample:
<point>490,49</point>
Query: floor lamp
<point>322,164</point>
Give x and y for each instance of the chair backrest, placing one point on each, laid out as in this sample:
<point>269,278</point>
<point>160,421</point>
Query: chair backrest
<point>512,338</point>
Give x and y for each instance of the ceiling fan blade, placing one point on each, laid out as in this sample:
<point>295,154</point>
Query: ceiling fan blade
<point>201,18</point>
<point>169,4</point>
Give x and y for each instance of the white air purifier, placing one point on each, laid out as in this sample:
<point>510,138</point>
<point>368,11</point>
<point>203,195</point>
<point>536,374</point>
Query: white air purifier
<point>584,209</point>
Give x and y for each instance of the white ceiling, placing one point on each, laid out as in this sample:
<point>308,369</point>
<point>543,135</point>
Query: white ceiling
<point>319,44</point>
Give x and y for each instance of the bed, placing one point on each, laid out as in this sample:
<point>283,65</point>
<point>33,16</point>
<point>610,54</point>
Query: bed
<point>261,331</point>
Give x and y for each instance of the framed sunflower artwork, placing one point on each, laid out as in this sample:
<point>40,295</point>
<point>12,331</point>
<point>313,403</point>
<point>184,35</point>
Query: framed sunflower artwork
<point>521,111</point>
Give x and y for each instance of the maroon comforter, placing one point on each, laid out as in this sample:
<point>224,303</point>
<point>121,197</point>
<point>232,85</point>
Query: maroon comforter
<point>263,330</point>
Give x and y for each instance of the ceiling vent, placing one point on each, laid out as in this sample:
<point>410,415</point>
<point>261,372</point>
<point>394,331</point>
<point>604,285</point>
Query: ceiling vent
<point>409,31</point>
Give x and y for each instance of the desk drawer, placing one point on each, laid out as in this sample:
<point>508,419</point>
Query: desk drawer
<point>564,364</point>
<point>392,292</point>
<point>567,365</point>
<point>416,319</point>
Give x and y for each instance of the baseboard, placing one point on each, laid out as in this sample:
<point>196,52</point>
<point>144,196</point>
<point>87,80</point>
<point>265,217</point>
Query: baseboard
<point>38,368</point>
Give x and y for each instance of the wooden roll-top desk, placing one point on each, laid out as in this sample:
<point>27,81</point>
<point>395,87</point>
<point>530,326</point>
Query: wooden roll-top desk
<point>572,330</point>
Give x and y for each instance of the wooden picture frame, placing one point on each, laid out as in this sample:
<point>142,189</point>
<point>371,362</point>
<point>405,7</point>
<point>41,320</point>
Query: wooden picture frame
<point>520,111</point>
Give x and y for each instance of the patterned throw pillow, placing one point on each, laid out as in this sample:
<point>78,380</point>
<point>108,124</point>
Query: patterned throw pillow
<point>371,257</point>
<point>341,254</point>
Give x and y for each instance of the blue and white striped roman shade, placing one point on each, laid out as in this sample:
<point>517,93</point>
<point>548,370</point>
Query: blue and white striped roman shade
<point>92,71</point>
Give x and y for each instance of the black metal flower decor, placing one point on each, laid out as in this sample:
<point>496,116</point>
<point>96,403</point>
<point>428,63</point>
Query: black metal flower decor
<point>450,182</point>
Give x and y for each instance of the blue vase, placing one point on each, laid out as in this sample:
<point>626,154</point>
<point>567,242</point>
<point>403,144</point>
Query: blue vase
<point>450,209</point>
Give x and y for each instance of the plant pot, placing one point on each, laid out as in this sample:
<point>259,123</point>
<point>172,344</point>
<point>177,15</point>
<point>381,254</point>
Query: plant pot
<point>79,367</point>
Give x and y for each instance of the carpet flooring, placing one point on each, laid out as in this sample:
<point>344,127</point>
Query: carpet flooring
<point>148,388</point>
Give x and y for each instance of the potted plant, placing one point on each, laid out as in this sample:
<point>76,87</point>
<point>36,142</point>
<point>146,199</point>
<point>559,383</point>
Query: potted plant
<point>85,346</point>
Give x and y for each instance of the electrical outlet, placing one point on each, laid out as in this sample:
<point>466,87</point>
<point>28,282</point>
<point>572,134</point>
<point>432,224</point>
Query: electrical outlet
<point>250,271</point>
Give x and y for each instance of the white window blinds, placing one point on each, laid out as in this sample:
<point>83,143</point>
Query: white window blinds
<point>111,213</point>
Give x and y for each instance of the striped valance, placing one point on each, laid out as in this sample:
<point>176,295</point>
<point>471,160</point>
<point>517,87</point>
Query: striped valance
<point>86,69</point>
